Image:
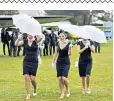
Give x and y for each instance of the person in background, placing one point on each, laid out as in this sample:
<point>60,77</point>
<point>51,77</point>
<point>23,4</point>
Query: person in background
<point>46,43</point>
<point>97,47</point>
<point>30,62</point>
<point>19,47</point>
<point>85,47</point>
<point>62,53</point>
<point>53,40</point>
<point>13,48</point>
<point>40,48</point>
<point>5,38</point>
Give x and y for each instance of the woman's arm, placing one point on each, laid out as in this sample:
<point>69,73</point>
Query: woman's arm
<point>55,54</point>
<point>39,38</point>
<point>92,48</point>
<point>81,50</point>
<point>70,50</point>
<point>19,43</point>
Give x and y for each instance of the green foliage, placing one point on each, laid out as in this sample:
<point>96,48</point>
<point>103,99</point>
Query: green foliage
<point>78,16</point>
<point>82,17</point>
<point>74,41</point>
<point>12,82</point>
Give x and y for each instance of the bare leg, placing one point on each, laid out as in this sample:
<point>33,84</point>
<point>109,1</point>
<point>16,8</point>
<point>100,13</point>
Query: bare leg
<point>83,84</point>
<point>33,81</point>
<point>65,80</point>
<point>27,85</point>
<point>88,82</point>
<point>61,85</point>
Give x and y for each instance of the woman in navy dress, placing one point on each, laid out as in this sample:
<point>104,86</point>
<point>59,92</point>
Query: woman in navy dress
<point>30,62</point>
<point>62,51</point>
<point>85,47</point>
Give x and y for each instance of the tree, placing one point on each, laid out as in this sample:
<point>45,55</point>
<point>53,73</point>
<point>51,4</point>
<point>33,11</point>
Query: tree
<point>107,16</point>
<point>78,16</point>
<point>104,15</point>
<point>2,12</point>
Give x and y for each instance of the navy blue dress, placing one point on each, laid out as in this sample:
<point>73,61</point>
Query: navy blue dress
<point>30,62</point>
<point>85,60</point>
<point>63,61</point>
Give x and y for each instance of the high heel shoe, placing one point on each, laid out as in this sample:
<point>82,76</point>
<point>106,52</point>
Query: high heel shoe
<point>62,96</point>
<point>88,91</point>
<point>34,94</point>
<point>68,94</point>
<point>27,97</point>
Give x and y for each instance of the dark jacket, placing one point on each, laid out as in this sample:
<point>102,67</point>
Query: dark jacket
<point>5,37</point>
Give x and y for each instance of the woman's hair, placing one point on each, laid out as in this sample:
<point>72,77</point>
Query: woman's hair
<point>61,31</point>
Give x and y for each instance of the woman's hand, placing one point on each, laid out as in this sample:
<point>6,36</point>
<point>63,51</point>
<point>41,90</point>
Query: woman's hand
<point>39,37</point>
<point>92,48</point>
<point>81,50</point>
<point>20,37</point>
<point>87,45</point>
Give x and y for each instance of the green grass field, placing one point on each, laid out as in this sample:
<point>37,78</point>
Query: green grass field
<point>12,82</point>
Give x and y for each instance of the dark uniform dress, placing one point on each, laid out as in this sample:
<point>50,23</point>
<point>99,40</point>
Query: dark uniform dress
<point>30,62</point>
<point>63,61</point>
<point>85,60</point>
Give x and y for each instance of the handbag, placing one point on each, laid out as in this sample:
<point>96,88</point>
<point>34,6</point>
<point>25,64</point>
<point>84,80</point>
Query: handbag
<point>54,65</point>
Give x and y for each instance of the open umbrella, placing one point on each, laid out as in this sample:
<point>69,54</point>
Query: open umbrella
<point>95,33</point>
<point>76,30</point>
<point>27,24</point>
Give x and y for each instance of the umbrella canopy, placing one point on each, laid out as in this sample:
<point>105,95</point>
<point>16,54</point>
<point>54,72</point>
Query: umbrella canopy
<point>95,33</point>
<point>76,30</point>
<point>27,24</point>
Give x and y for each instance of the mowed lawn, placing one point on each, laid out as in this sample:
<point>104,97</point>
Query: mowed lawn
<point>12,82</point>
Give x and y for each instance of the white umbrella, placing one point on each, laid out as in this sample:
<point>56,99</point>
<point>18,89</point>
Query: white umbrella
<point>27,24</point>
<point>95,33</point>
<point>76,30</point>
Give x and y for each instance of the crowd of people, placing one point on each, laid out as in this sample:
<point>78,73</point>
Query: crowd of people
<point>43,43</point>
<point>46,46</point>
